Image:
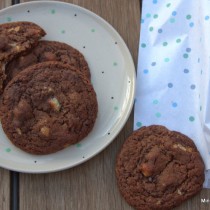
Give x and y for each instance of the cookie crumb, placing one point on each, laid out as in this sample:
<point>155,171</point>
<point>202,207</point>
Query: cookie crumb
<point>19,131</point>
<point>54,103</point>
<point>45,131</point>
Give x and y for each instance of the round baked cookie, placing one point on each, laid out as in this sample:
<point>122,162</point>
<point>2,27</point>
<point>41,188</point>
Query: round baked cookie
<point>48,107</point>
<point>16,38</point>
<point>157,169</point>
<point>48,51</point>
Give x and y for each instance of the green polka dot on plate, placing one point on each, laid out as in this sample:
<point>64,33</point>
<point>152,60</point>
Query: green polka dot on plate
<point>78,145</point>
<point>115,108</point>
<point>52,11</point>
<point>8,150</point>
<point>9,19</point>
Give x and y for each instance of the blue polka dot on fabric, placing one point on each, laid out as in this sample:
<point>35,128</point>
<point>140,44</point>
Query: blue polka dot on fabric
<point>160,31</point>
<point>188,49</point>
<point>142,20</point>
<point>146,71</point>
<point>170,85</point>
<point>174,13</point>
<point>174,104</point>
<point>191,24</point>
<point>186,71</point>
<point>192,86</point>
<point>154,1</point>
<point>153,64</point>
<point>206,17</point>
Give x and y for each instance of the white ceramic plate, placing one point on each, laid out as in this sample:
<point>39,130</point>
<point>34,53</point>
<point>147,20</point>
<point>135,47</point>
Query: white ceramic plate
<point>113,77</point>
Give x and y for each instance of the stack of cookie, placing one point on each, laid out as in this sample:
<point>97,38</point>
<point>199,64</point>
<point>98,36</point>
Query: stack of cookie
<point>48,101</point>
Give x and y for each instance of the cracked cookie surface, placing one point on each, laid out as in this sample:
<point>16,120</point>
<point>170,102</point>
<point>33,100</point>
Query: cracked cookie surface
<point>158,168</point>
<point>16,38</point>
<point>48,107</point>
<point>48,51</point>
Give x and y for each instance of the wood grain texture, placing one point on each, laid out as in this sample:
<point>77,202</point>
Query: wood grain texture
<point>92,185</point>
<point>4,174</point>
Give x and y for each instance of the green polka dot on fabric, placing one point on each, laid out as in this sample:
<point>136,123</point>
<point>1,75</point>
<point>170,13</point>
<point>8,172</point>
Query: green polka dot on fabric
<point>185,55</point>
<point>167,60</point>
<point>63,31</point>
<point>9,19</point>
<point>200,108</point>
<point>115,64</point>
<point>8,150</point>
<point>139,124</point>
<point>158,114</point>
<point>172,20</point>
<point>191,119</point>
<point>52,11</point>
<point>155,16</point>
<point>165,44</point>
<point>93,30</point>
<point>168,5</point>
<point>188,17</point>
<point>155,101</point>
<point>143,45</point>
<point>148,15</point>
<point>178,40</point>
<point>151,28</point>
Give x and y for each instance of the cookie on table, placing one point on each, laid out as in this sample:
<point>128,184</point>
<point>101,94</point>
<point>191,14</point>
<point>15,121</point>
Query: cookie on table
<point>48,107</point>
<point>158,169</point>
<point>48,51</point>
<point>16,38</point>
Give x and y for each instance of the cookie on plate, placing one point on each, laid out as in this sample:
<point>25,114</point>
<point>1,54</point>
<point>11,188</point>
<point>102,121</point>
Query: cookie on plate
<point>48,107</point>
<point>16,38</point>
<point>48,51</point>
<point>158,169</point>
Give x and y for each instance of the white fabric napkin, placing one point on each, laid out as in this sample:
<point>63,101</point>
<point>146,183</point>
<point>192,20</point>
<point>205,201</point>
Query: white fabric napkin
<point>173,75</point>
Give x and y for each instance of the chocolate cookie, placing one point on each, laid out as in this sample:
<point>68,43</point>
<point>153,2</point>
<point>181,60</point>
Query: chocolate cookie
<point>48,107</point>
<point>158,169</point>
<point>16,38</point>
<point>48,51</point>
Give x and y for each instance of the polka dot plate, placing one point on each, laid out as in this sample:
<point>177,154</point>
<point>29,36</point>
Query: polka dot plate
<point>112,72</point>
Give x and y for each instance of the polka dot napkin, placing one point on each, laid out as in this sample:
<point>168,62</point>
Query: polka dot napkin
<point>173,74</point>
